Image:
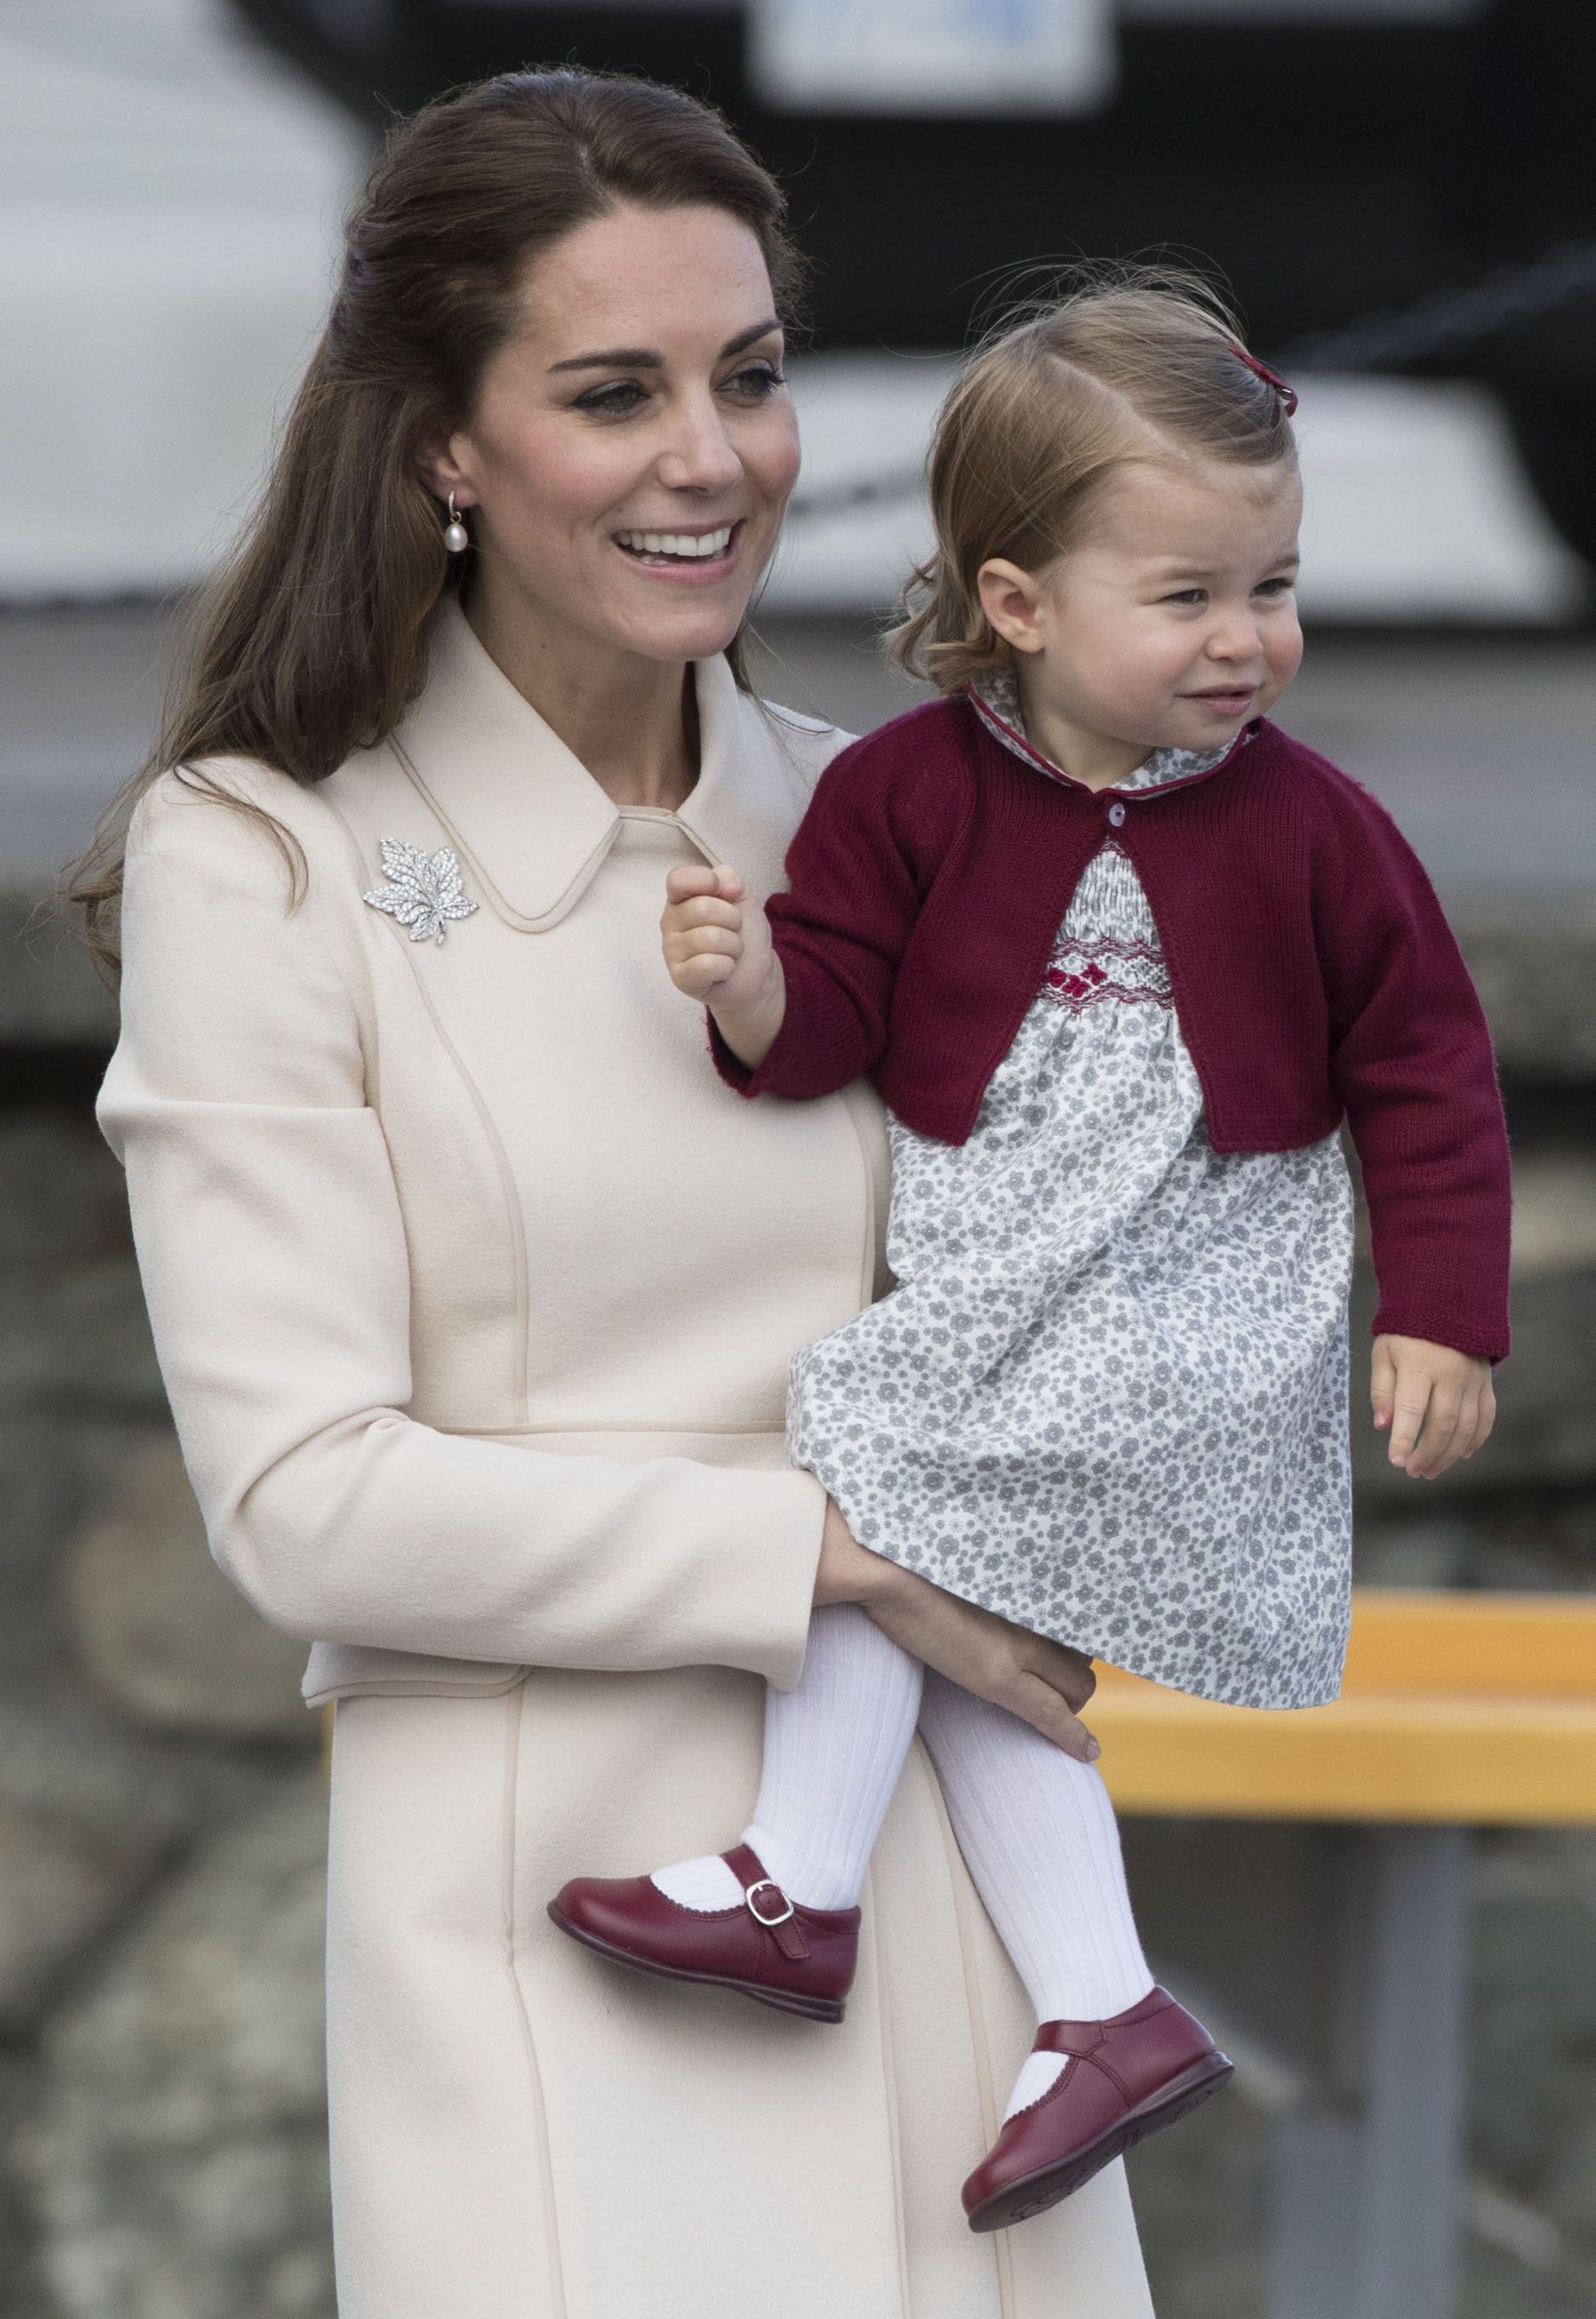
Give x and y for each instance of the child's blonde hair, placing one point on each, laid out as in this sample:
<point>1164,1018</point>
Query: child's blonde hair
<point>1130,364</point>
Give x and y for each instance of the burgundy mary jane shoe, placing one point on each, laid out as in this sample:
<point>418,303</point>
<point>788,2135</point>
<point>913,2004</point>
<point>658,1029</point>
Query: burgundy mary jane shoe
<point>798,1959</point>
<point>1123,2079</point>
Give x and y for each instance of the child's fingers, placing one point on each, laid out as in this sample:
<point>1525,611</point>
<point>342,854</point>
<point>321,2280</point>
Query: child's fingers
<point>696,978</point>
<point>1382,1386</point>
<point>688,878</point>
<point>1443,1436</point>
<point>702,910</point>
<point>1410,1400</point>
<point>703,941</point>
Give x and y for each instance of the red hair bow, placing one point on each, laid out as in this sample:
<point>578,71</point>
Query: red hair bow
<point>1288,395</point>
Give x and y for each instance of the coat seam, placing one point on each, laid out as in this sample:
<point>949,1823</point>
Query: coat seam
<point>980,2045</point>
<point>520,1394</point>
<point>512,1756</point>
<point>889,2085</point>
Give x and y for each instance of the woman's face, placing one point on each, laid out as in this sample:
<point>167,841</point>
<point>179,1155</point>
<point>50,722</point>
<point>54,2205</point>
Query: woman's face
<point>633,443</point>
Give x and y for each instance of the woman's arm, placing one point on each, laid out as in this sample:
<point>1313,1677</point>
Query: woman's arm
<point>1040,1682</point>
<point>274,1257</point>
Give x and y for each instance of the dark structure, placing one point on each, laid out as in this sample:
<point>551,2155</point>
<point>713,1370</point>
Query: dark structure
<point>1413,195</point>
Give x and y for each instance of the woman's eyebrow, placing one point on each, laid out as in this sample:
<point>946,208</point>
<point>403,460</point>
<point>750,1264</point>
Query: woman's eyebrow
<point>650,358</point>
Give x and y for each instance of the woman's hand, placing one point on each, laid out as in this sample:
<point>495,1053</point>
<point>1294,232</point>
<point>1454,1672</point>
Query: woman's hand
<point>1439,1405</point>
<point>717,947</point>
<point>1042,1682</point>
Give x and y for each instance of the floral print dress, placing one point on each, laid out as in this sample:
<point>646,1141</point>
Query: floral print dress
<point>1107,1397</point>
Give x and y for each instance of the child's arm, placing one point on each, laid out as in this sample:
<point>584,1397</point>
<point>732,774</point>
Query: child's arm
<point>717,946</point>
<point>802,1007</point>
<point>1412,1061</point>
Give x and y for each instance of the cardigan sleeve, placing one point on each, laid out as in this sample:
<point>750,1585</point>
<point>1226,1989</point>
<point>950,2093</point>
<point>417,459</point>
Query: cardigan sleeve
<point>1411,1060</point>
<point>857,871</point>
<point>274,1257</point>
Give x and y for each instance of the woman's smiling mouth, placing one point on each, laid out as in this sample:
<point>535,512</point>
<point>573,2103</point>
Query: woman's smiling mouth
<point>680,550</point>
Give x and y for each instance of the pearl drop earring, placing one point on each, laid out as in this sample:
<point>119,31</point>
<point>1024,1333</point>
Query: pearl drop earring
<point>455,535</point>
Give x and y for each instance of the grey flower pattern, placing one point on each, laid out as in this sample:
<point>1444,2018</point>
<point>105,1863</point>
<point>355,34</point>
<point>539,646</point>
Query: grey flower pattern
<point>1107,1397</point>
<point>424,890</point>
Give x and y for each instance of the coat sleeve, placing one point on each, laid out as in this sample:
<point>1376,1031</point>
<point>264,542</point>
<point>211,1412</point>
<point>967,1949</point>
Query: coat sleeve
<point>274,1258</point>
<point>857,872</point>
<point>1411,1060</point>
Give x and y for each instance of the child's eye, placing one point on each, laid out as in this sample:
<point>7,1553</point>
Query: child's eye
<point>1278,587</point>
<point>1186,596</point>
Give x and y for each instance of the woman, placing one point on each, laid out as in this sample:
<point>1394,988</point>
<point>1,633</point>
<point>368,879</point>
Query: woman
<point>475,1290</point>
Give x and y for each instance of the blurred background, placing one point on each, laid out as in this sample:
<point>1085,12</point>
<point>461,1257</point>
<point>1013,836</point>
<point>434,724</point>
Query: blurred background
<point>1400,192</point>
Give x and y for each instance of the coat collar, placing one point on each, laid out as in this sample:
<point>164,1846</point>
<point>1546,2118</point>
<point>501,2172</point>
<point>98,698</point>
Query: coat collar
<point>524,814</point>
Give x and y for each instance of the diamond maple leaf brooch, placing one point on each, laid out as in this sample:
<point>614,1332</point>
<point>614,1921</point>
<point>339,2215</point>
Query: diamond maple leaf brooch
<point>423,890</point>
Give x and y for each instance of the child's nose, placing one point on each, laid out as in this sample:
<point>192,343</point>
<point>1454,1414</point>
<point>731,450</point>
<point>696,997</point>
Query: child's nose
<point>1236,636</point>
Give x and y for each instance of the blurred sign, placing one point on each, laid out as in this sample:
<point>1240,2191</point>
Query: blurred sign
<point>932,55</point>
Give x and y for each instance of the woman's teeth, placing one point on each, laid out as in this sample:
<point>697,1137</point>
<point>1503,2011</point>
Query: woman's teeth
<point>681,545</point>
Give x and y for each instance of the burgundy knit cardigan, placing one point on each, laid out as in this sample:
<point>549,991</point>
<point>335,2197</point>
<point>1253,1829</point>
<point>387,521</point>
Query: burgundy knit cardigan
<point>1313,973</point>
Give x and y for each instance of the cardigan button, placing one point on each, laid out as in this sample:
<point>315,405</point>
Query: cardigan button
<point>1116,814</point>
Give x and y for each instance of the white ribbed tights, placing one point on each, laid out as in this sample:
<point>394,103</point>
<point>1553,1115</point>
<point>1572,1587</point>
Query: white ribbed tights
<point>1036,1827</point>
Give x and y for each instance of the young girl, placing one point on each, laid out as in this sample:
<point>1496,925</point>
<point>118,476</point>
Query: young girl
<point>1121,956</point>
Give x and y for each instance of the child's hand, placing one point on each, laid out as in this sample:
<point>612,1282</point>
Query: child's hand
<point>716,938</point>
<point>717,947</point>
<point>1439,1405</point>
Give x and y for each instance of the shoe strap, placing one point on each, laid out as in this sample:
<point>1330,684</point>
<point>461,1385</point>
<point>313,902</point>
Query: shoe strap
<point>767,1903</point>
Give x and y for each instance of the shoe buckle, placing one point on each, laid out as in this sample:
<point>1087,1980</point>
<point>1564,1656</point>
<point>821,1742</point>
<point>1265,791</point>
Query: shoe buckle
<point>769,1883</point>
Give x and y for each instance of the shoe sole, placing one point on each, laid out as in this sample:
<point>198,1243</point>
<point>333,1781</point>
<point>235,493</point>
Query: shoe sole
<point>1035,2192</point>
<point>812,2008</point>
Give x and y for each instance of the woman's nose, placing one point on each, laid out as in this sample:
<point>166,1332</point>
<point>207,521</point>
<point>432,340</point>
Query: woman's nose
<point>700,456</point>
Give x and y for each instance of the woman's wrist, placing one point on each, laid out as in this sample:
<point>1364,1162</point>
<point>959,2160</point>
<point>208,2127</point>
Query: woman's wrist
<point>848,1571</point>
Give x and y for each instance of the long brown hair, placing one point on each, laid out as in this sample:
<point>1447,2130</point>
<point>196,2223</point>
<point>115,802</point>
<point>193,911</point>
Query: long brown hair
<point>1132,363</point>
<point>310,641</point>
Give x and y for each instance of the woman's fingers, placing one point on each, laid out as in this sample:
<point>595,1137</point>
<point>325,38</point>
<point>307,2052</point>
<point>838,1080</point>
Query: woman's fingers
<point>1036,1702</point>
<point>1067,1672</point>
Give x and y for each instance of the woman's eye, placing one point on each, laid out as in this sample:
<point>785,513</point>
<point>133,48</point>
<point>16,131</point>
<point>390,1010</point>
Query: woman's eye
<point>612,402</point>
<point>759,379</point>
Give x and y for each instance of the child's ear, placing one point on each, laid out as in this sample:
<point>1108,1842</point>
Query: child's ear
<point>1010,599</point>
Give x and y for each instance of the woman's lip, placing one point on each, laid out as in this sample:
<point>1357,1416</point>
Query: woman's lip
<point>701,571</point>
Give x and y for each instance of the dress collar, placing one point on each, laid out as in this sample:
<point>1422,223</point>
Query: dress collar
<point>522,810</point>
<point>995,696</point>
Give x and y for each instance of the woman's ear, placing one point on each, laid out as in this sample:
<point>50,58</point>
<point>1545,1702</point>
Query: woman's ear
<point>1010,599</point>
<point>438,466</point>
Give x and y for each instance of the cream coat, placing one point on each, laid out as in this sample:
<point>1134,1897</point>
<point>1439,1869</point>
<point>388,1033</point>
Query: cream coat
<point>473,1291</point>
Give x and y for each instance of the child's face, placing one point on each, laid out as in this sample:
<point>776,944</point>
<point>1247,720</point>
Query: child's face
<point>1173,620</point>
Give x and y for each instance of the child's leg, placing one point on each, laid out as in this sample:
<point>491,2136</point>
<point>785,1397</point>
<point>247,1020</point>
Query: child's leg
<point>1038,1835</point>
<point>835,1746</point>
